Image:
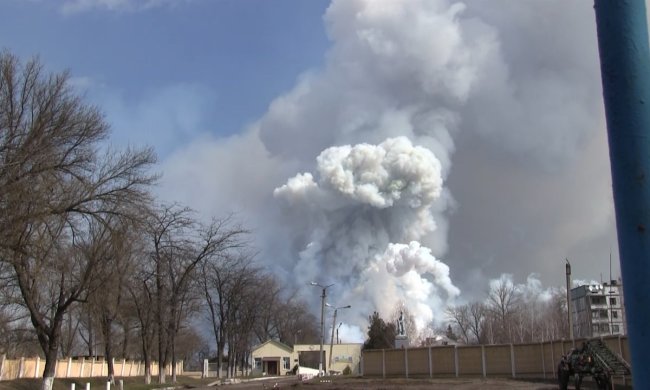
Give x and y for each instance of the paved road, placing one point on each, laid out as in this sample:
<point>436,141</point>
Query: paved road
<point>292,382</point>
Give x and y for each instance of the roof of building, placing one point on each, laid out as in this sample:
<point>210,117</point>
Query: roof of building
<point>276,343</point>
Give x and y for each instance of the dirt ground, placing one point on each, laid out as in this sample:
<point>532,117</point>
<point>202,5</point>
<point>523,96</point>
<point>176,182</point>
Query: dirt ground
<point>393,384</point>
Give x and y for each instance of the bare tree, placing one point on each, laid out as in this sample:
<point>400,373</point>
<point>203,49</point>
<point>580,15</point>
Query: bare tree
<point>179,245</point>
<point>460,317</point>
<point>53,182</point>
<point>502,302</point>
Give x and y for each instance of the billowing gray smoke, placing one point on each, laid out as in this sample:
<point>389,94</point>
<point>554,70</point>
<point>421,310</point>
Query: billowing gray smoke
<point>335,190</point>
<point>367,209</point>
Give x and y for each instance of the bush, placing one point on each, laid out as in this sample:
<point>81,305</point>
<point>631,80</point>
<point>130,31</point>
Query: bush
<point>347,370</point>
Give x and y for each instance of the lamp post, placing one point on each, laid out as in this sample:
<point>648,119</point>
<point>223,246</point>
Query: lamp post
<point>336,309</point>
<point>322,313</point>
<point>568,297</point>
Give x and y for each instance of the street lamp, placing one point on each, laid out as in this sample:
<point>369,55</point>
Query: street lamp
<point>336,309</point>
<point>322,313</point>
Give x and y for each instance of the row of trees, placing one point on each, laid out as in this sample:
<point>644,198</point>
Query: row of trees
<point>90,262</point>
<point>509,314</point>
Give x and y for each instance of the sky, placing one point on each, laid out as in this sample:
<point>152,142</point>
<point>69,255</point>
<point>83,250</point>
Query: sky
<point>406,151</point>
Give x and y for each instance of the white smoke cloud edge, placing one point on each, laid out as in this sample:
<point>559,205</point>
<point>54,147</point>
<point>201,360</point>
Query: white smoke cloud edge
<point>367,209</point>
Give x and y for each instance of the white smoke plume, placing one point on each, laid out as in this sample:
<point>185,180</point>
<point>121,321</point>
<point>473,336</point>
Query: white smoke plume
<point>514,87</point>
<point>365,204</point>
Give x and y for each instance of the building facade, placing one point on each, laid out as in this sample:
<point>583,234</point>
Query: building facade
<point>275,358</point>
<point>598,310</point>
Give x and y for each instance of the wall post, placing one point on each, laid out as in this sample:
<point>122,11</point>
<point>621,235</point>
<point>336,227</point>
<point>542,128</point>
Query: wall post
<point>483,363</point>
<point>430,364</point>
<point>456,360</point>
<point>21,368</point>
<point>3,357</point>
<point>512,361</point>
<point>406,362</point>
<point>36,366</point>
<point>383,363</point>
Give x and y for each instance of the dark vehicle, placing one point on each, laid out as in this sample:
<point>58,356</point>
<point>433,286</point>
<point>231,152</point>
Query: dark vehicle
<point>592,359</point>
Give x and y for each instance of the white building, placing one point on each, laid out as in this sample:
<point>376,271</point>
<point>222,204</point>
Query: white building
<point>598,310</point>
<point>275,358</point>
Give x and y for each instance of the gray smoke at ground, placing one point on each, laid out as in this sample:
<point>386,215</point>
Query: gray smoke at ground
<point>506,97</point>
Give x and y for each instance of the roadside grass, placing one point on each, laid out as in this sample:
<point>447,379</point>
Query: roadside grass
<point>130,383</point>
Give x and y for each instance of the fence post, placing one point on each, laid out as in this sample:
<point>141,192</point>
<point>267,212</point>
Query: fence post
<point>81,369</point>
<point>3,357</point>
<point>121,384</point>
<point>21,367</point>
<point>139,363</point>
<point>512,360</point>
<point>204,373</point>
<point>36,365</point>
<point>87,386</point>
<point>383,363</point>
<point>92,368</point>
<point>430,364</point>
<point>123,364</point>
<point>456,360</point>
<point>483,361</point>
<point>406,362</point>
<point>72,386</point>
<point>541,344</point>
<point>553,358</point>
<point>67,370</point>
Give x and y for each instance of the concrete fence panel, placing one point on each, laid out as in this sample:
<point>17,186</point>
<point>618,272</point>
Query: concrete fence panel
<point>443,361</point>
<point>373,362</point>
<point>418,362</point>
<point>395,363</point>
<point>528,360</point>
<point>470,360</point>
<point>497,360</point>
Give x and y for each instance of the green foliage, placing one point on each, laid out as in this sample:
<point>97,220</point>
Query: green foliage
<point>381,335</point>
<point>347,370</point>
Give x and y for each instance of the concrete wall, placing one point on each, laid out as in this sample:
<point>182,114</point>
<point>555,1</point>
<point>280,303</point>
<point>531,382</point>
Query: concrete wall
<point>11,369</point>
<point>534,360</point>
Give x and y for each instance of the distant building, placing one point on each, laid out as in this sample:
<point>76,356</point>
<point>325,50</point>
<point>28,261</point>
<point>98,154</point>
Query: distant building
<point>598,310</point>
<point>276,358</point>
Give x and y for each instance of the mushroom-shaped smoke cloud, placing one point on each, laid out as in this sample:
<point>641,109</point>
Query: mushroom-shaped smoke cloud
<point>366,202</point>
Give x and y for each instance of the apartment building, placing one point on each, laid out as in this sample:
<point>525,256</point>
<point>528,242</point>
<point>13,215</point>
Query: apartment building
<point>598,310</point>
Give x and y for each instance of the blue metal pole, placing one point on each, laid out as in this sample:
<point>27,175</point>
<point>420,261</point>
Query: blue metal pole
<point>625,71</point>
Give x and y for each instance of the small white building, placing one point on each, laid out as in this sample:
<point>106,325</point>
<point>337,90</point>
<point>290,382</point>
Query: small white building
<point>598,310</point>
<point>275,358</point>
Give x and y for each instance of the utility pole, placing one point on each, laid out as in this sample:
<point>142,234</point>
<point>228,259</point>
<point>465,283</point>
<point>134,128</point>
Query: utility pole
<point>568,298</point>
<point>622,30</point>
<point>322,324</point>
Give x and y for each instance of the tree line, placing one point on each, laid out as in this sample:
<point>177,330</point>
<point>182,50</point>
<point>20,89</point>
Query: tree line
<point>509,313</point>
<point>92,264</point>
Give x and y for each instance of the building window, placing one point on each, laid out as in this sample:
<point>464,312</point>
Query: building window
<point>604,328</point>
<point>615,329</point>
<point>614,314</point>
<point>258,363</point>
<point>612,301</point>
<point>286,362</point>
<point>598,300</point>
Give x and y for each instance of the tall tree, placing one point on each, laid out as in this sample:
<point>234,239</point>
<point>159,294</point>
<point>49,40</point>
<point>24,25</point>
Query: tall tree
<point>180,244</point>
<point>53,183</point>
<point>381,334</point>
